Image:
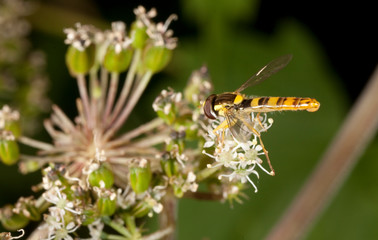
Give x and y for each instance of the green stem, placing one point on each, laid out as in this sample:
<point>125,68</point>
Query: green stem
<point>42,204</point>
<point>94,94</point>
<point>84,98</point>
<point>112,237</point>
<point>119,228</point>
<point>207,172</point>
<point>141,86</point>
<point>130,223</point>
<point>111,96</point>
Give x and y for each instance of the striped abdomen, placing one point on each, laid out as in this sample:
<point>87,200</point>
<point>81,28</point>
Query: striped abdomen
<point>268,104</point>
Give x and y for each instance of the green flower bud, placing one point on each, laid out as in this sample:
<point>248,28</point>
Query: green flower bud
<point>156,58</point>
<point>177,142</point>
<point>191,131</point>
<point>169,118</point>
<point>117,61</point>
<point>140,177</point>
<point>88,217</point>
<point>9,151</point>
<point>102,177</point>
<point>14,127</point>
<point>11,122</point>
<point>29,166</point>
<point>165,105</point>
<point>177,191</point>
<point>12,221</point>
<point>69,217</point>
<point>138,34</point>
<point>106,206</point>
<point>199,86</point>
<point>80,62</point>
<point>141,209</point>
<point>33,213</point>
<point>169,166</point>
<point>26,207</point>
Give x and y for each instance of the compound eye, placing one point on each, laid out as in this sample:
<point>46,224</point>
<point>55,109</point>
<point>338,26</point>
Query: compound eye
<point>208,107</point>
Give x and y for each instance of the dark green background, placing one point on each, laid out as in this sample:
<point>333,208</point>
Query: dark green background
<point>234,39</point>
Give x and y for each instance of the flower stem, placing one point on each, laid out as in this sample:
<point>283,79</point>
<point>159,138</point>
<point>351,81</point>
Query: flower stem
<point>35,143</point>
<point>130,104</point>
<point>203,196</point>
<point>205,173</point>
<point>112,237</point>
<point>84,98</point>
<point>125,138</point>
<point>119,228</point>
<point>167,218</point>
<point>111,96</point>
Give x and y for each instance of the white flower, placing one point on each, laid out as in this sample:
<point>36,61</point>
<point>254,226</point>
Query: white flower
<point>7,114</point>
<point>156,206</point>
<point>118,36</point>
<point>95,229</point>
<point>59,199</point>
<point>190,183</point>
<point>81,37</point>
<point>239,158</point>
<point>125,198</point>
<point>159,33</point>
<point>57,229</point>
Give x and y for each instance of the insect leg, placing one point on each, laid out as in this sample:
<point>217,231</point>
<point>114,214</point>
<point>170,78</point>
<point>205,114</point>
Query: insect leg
<point>259,122</point>
<point>254,131</point>
<point>224,125</point>
<point>267,156</point>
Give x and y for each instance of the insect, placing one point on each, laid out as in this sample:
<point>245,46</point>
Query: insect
<point>236,108</point>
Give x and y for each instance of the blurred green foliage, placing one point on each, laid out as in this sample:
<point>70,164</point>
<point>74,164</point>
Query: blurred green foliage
<point>233,51</point>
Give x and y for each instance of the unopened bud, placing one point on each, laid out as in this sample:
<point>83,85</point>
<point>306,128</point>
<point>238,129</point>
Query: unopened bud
<point>169,166</point>
<point>13,126</point>
<point>9,151</point>
<point>12,221</point>
<point>140,178</point>
<point>106,205</point>
<point>156,58</point>
<point>102,177</point>
<point>138,34</point>
<point>80,61</point>
<point>88,217</point>
<point>117,61</point>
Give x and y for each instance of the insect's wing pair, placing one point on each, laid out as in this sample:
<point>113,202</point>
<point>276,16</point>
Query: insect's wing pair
<point>267,71</point>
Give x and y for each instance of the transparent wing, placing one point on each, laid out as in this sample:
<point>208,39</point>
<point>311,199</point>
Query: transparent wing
<point>267,71</point>
<point>237,122</point>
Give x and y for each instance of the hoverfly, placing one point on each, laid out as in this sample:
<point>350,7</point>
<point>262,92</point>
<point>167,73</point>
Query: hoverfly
<point>236,108</point>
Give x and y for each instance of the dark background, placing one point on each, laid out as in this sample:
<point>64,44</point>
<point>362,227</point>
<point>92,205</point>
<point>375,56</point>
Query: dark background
<point>345,30</point>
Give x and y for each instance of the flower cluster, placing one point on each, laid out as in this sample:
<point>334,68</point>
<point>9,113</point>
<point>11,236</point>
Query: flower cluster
<point>94,175</point>
<point>240,158</point>
<point>97,177</point>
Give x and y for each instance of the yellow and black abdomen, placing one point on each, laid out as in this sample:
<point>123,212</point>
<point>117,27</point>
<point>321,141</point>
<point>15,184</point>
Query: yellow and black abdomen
<point>269,104</point>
